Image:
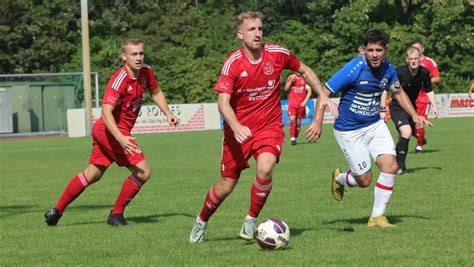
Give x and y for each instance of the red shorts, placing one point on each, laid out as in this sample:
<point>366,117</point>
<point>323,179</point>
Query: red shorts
<point>106,150</point>
<point>235,156</point>
<point>298,111</point>
<point>423,109</point>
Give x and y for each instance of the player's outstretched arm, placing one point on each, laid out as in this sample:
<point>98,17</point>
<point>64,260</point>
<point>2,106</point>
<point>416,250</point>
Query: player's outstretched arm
<point>111,125</point>
<point>315,130</point>
<point>313,81</point>
<point>159,98</point>
<point>241,132</point>
<point>405,103</point>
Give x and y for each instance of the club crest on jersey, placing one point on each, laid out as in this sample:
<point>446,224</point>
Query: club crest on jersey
<point>143,82</point>
<point>267,68</point>
<point>383,83</point>
<point>137,104</point>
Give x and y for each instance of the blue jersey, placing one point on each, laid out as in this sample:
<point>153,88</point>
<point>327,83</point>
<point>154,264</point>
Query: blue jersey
<point>361,88</point>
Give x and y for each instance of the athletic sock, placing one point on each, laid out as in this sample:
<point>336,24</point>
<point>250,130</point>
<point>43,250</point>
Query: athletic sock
<point>420,136</point>
<point>297,131</point>
<point>292,129</point>
<point>259,193</point>
<point>382,193</point>
<point>130,188</point>
<point>346,179</point>
<point>402,150</point>
<point>75,187</point>
<point>212,202</point>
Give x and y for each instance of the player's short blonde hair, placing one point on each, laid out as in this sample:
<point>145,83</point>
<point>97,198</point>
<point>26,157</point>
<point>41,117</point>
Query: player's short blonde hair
<point>247,15</point>
<point>132,41</point>
<point>412,49</point>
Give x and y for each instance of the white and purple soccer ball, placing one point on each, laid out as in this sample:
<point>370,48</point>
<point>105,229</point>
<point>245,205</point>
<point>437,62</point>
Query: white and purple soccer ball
<point>273,234</point>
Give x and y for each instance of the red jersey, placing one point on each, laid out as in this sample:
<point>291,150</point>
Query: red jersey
<point>125,94</point>
<point>255,87</point>
<point>429,64</point>
<point>297,91</point>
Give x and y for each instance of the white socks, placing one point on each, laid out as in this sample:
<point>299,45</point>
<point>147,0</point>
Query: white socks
<point>346,179</point>
<point>382,193</point>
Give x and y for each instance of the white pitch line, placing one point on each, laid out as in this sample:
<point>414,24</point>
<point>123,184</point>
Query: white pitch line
<point>42,149</point>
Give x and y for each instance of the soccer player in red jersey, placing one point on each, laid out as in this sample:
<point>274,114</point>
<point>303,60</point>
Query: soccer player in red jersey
<point>249,101</point>
<point>300,92</point>
<point>423,101</point>
<point>112,141</point>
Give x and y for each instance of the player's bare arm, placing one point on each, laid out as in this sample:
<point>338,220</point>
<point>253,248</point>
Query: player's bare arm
<point>432,98</point>
<point>289,82</point>
<point>383,106</point>
<point>435,80</point>
<point>111,126</point>
<point>315,130</point>
<point>313,81</point>
<point>241,132</point>
<point>308,95</point>
<point>160,100</point>
<point>405,103</point>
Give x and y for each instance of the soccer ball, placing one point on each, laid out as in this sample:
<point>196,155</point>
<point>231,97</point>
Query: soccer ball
<point>273,234</point>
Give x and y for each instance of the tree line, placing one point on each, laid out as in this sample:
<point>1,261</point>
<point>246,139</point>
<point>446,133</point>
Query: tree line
<point>187,41</point>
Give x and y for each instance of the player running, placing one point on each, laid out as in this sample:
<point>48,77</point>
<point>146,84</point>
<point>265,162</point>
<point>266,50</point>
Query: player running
<point>413,78</point>
<point>423,101</point>
<point>249,101</point>
<point>112,140</point>
<point>359,130</point>
<point>300,92</point>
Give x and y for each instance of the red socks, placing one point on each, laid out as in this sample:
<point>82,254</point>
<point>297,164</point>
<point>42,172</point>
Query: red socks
<point>292,128</point>
<point>130,188</point>
<point>298,128</point>
<point>211,204</point>
<point>75,187</point>
<point>259,193</point>
<point>420,136</point>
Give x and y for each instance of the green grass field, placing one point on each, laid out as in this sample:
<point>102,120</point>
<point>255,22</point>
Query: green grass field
<point>432,206</point>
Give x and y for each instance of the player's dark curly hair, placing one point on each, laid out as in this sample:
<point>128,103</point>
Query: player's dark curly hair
<point>376,36</point>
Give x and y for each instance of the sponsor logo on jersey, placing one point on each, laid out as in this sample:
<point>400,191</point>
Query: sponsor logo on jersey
<point>143,82</point>
<point>383,83</point>
<point>364,82</point>
<point>267,68</point>
<point>224,85</point>
<point>137,104</point>
<point>130,88</point>
<point>271,84</point>
<point>244,74</point>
